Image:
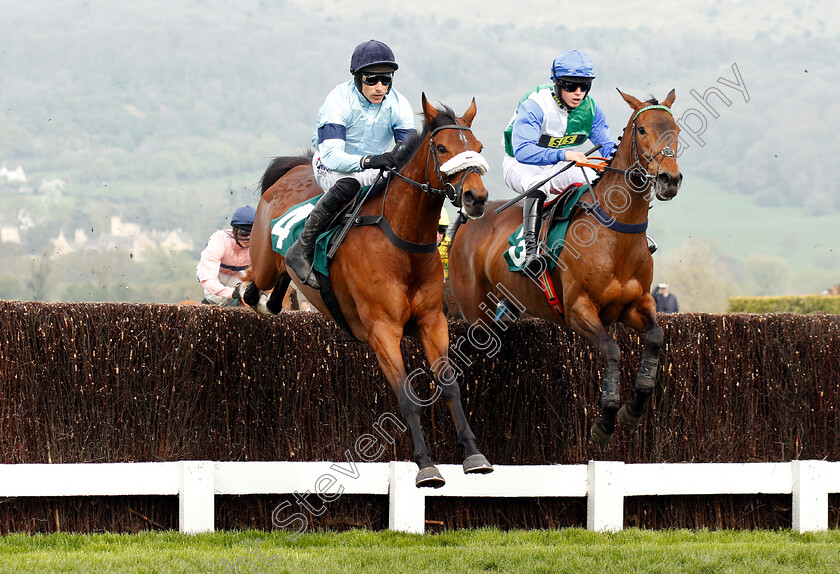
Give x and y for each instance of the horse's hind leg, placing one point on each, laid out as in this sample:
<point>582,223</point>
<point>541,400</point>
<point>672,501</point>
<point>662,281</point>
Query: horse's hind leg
<point>643,319</point>
<point>434,335</point>
<point>583,318</point>
<point>384,338</point>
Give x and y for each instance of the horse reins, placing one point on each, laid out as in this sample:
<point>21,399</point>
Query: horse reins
<point>450,191</point>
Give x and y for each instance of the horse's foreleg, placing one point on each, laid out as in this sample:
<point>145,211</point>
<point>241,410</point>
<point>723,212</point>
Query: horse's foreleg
<point>384,338</point>
<point>643,318</point>
<point>583,318</point>
<point>434,335</point>
<point>275,301</point>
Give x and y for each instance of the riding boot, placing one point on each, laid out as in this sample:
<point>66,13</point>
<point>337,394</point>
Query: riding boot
<point>651,245</point>
<point>299,256</point>
<point>531,221</point>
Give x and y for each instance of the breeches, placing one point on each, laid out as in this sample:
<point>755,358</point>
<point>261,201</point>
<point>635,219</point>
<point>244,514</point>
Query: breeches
<point>521,176</point>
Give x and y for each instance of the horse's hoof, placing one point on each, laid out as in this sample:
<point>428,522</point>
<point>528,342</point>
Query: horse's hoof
<point>429,477</point>
<point>262,306</point>
<point>627,420</point>
<point>599,435</point>
<point>477,464</point>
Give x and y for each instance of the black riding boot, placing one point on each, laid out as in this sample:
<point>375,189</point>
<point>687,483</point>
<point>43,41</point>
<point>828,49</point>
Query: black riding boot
<point>300,254</point>
<point>531,221</point>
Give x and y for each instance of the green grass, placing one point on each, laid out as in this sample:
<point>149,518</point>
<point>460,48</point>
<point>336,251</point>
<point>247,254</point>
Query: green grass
<point>567,550</point>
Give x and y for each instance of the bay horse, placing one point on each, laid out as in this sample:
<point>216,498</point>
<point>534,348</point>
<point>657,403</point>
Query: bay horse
<point>601,278</point>
<point>383,291</point>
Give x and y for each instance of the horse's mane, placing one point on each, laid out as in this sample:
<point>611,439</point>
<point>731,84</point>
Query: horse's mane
<point>280,166</point>
<point>445,117</point>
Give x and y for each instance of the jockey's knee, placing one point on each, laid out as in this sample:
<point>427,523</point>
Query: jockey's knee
<point>346,188</point>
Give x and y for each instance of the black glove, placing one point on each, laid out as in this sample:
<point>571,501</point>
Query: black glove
<point>381,161</point>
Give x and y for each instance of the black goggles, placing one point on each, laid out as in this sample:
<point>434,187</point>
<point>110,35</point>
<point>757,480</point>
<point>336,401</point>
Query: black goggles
<point>373,79</point>
<point>242,232</point>
<point>573,86</point>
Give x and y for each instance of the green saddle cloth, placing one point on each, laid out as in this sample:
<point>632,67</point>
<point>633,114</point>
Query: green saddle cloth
<point>515,254</point>
<point>287,228</point>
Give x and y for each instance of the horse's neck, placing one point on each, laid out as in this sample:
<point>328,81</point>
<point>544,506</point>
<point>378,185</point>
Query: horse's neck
<point>412,213</point>
<point>617,196</point>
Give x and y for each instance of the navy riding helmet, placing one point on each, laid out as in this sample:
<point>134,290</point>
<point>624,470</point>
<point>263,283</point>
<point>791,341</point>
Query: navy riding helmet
<point>372,53</point>
<point>243,219</point>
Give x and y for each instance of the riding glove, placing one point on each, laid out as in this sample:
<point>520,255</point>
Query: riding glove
<point>381,161</point>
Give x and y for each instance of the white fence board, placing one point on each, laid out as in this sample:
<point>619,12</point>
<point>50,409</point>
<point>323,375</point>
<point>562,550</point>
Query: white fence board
<point>605,484</point>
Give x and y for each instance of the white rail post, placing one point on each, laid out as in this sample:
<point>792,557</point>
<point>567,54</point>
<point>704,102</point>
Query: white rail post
<point>810,495</point>
<point>406,502</point>
<point>605,496</point>
<point>196,492</point>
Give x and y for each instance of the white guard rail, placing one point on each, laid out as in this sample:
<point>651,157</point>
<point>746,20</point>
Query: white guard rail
<point>604,484</point>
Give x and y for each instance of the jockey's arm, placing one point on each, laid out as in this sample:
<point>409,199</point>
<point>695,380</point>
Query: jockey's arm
<point>209,265</point>
<point>331,143</point>
<point>527,129</point>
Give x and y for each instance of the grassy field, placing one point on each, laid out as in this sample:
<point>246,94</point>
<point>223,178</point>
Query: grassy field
<point>703,211</point>
<point>568,550</point>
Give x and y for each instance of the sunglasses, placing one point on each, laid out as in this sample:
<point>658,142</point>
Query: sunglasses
<point>573,86</point>
<point>373,79</point>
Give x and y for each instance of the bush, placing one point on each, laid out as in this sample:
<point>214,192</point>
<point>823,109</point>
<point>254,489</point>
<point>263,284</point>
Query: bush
<point>802,304</point>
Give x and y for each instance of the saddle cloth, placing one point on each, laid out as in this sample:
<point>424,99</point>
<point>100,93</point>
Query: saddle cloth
<point>287,228</point>
<point>515,254</point>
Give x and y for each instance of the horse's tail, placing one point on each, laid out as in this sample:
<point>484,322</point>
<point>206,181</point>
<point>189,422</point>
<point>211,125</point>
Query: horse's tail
<point>280,166</point>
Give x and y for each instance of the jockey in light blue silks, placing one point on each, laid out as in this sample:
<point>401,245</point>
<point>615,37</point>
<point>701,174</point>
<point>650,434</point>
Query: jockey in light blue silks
<point>356,126</point>
<point>548,129</point>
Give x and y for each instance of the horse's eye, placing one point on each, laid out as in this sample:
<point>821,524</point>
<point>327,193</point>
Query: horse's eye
<point>441,149</point>
<point>641,130</point>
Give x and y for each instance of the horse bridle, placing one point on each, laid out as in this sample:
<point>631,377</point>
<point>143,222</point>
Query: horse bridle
<point>636,169</point>
<point>450,191</point>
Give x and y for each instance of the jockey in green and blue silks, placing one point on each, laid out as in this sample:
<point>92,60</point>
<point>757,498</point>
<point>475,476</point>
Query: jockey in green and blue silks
<point>548,129</point>
<point>358,123</point>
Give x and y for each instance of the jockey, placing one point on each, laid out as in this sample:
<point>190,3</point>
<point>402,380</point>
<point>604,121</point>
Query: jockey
<point>225,258</point>
<point>444,242</point>
<point>547,130</point>
<point>356,125</point>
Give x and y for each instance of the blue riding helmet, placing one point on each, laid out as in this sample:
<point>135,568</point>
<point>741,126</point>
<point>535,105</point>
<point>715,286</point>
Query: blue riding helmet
<point>372,53</point>
<point>243,218</point>
<point>572,64</point>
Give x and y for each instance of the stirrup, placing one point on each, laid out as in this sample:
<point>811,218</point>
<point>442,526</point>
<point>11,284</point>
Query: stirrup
<point>652,247</point>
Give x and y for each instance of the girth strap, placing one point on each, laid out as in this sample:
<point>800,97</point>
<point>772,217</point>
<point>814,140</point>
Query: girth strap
<point>398,242</point>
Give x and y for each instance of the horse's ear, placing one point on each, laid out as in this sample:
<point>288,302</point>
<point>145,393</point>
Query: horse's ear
<point>469,115</point>
<point>634,103</point>
<point>672,95</point>
<point>429,111</point>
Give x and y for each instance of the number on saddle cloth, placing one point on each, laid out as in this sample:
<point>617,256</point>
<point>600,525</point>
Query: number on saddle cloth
<point>556,234</point>
<point>287,228</point>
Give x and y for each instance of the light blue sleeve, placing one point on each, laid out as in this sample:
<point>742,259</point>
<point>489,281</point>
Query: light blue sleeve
<point>336,111</point>
<point>601,133</point>
<point>527,129</point>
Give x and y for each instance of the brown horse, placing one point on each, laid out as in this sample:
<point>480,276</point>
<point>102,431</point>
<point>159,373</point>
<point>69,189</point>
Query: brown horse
<point>383,291</point>
<point>604,272</point>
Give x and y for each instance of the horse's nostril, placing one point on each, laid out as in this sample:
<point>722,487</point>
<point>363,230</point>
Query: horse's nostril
<point>471,198</point>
